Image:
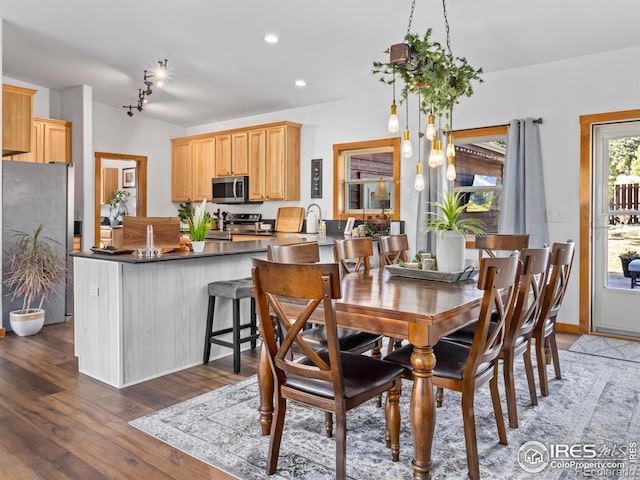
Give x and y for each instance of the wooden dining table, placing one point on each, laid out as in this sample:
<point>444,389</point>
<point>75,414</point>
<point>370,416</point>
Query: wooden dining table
<point>417,310</point>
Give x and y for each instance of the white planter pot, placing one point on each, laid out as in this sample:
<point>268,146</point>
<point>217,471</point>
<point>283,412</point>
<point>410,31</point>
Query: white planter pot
<point>450,251</point>
<point>26,322</point>
<point>198,247</point>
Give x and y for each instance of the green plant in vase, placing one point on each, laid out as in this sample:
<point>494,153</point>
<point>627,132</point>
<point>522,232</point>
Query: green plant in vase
<point>199,224</point>
<point>117,206</point>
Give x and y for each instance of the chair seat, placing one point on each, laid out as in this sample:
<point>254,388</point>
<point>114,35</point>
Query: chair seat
<point>361,374</point>
<point>349,340</point>
<point>240,288</point>
<point>466,333</point>
<point>451,359</point>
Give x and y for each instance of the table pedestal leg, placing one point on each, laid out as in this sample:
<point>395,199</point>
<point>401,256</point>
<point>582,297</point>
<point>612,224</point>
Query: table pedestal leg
<point>423,412</point>
<point>265,383</point>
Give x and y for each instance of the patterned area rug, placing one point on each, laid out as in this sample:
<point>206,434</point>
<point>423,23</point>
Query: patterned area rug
<point>597,402</point>
<point>607,347</point>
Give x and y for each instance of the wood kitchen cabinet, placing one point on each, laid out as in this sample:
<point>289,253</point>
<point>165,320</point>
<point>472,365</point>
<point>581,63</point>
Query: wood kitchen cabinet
<point>50,142</point>
<point>275,171</point>
<point>109,184</point>
<point>17,119</point>
<point>192,167</point>
<point>232,154</point>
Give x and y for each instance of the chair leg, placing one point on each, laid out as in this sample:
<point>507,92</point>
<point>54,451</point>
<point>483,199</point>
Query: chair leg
<point>554,355</point>
<point>528,367</point>
<point>207,335</point>
<point>376,352</point>
<point>254,323</point>
<point>469,422</point>
<point>542,367</point>
<point>277,426</point>
<point>328,424</point>
<point>510,387</point>
<point>236,336</point>
<point>497,407</point>
<point>393,419</point>
<point>439,396</point>
<point>341,446</point>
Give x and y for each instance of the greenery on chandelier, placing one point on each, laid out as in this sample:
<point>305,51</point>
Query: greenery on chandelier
<point>431,72</point>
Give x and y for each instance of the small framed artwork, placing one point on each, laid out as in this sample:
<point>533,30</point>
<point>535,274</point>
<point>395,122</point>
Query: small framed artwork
<point>128,177</point>
<point>316,178</point>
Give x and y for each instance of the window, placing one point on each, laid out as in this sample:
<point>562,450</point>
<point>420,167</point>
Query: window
<point>479,162</point>
<point>366,178</point>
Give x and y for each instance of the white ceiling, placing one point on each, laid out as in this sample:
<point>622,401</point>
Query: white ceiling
<point>222,69</point>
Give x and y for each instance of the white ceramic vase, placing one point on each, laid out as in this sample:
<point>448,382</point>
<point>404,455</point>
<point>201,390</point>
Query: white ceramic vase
<point>450,251</point>
<point>198,247</point>
<point>26,322</point>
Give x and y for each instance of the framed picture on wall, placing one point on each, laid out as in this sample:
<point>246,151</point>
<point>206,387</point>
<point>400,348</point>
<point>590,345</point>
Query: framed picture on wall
<point>316,178</point>
<point>128,177</point>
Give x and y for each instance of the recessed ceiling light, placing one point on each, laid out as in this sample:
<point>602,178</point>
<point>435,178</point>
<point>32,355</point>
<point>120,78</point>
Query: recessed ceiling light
<point>301,83</point>
<point>271,38</point>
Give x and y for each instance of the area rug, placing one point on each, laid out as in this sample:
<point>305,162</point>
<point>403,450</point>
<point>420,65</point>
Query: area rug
<point>607,347</point>
<point>597,402</point>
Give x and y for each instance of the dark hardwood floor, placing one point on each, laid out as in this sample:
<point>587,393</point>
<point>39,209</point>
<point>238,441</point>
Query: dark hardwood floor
<point>58,424</point>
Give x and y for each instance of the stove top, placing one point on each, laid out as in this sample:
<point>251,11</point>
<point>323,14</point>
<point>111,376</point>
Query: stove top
<point>242,218</point>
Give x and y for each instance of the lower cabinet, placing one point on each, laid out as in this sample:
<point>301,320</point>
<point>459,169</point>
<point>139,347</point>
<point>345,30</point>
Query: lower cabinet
<point>111,237</point>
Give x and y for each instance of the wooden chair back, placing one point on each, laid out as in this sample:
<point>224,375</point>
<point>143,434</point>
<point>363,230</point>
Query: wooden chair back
<point>495,242</point>
<point>305,252</point>
<point>359,249</point>
<point>316,285</point>
<point>557,279</point>
<point>497,278</point>
<point>533,278</point>
<point>393,249</point>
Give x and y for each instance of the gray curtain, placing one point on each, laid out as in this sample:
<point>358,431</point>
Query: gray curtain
<point>523,207</point>
<point>435,181</point>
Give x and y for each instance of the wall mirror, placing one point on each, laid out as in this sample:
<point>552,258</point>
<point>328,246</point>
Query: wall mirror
<point>117,171</point>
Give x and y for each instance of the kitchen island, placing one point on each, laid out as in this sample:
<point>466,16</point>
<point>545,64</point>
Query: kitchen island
<point>137,318</point>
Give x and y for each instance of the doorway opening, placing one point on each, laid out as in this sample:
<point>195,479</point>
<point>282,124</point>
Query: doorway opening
<point>114,170</point>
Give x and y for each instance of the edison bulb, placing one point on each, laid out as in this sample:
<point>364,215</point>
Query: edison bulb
<point>451,172</point>
<point>451,150</point>
<point>419,183</point>
<point>431,129</point>
<point>393,119</point>
<point>407,149</point>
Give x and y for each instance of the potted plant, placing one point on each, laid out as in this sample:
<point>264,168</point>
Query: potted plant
<point>199,224</point>
<point>450,243</point>
<point>625,257</point>
<point>117,206</point>
<point>34,269</point>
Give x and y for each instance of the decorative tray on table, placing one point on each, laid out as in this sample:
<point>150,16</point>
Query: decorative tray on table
<point>466,274</point>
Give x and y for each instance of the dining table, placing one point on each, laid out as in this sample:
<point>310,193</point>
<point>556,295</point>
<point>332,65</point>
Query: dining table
<point>413,309</point>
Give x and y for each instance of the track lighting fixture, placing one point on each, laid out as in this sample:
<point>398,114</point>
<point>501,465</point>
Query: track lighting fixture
<point>156,79</point>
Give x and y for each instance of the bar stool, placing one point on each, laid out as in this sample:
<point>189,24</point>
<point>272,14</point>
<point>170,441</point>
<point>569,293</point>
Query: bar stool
<point>233,290</point>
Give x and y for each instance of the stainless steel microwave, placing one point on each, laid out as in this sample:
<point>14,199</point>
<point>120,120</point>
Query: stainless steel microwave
<point>230,190</point>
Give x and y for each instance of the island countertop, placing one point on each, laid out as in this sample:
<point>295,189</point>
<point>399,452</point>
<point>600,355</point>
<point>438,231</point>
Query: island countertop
<point>214,248</point>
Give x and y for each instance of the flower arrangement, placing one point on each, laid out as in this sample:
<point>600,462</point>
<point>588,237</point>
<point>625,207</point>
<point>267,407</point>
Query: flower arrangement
<point>448,218</point>
<point>199,223</point>
<point>35,267</point>
<point>117,205</point>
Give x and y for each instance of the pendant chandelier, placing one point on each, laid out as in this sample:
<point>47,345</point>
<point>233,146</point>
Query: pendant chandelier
<point>438,80</point>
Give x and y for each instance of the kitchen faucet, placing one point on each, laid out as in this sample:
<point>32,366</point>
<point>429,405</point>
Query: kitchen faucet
<point>318,219</point>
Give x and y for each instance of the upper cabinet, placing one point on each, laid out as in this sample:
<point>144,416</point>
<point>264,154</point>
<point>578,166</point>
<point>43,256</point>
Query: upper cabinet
<point>269,154</point>
<point>50,142</point>
<point>17,119</point>
<point>193,167</point>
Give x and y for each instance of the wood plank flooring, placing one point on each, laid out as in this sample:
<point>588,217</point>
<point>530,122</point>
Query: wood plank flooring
<point>58,424</point>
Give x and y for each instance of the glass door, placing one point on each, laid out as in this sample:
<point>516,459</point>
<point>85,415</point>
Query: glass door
<point>616,228</point>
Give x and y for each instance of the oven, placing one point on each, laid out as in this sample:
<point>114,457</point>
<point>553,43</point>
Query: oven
<point>236,224</point>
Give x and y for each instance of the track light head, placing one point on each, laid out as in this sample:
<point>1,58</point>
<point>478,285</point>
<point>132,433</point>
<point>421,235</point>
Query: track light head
<point>130,113</point>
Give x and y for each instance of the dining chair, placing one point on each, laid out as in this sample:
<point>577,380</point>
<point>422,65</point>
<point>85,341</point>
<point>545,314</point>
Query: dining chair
<point>545,331</point>
<point>492,243</point>
<point>352,341</point>
<point>393,249</point>
<point>519,325</point>
<point>331,380</point>
<point>464,368</point>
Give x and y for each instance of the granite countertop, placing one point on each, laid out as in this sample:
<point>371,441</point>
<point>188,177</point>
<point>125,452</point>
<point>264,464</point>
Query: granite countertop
<point>214,248</point>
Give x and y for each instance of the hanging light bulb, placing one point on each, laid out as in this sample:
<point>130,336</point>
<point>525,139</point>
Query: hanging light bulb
<point>419,183</point>
<point>407,150</point>
<point>393,119</point>
<point>439,157</point>
<point>433,161</point>
<point>451,170</point>
<point>431,128</point>
<point>393,125</point>
<point>451,148</point>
